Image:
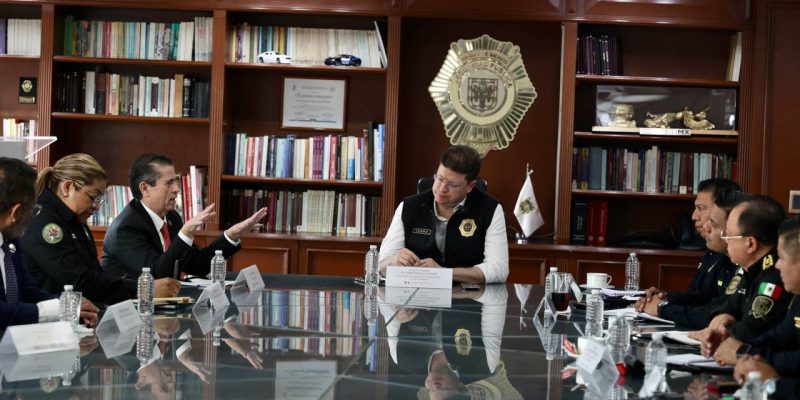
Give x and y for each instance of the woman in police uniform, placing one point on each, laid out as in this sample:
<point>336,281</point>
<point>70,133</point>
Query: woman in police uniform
<point>59,249</point>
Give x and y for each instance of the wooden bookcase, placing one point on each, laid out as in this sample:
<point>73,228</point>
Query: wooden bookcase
<point>683,44</point>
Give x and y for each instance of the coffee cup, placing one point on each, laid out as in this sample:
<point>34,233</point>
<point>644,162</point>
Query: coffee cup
<point>597,280</point>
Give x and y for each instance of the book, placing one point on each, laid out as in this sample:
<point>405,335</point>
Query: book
<point>578,222</point>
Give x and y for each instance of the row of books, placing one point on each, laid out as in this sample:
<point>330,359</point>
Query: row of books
<point>598,55</point>
<point>94,92</point>
<point>183,41</point>
<point>330,312</point>
<point>323,212</point>
<point>20,36</point>
<point>646,170</point>
<point>18,127</point>
<point>331,157</point>
<point>304,45</point>
<point>192,198</point>
<point>589,222</point>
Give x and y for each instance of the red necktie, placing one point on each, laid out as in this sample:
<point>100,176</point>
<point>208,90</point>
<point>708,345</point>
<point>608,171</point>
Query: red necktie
<point>165,235</point>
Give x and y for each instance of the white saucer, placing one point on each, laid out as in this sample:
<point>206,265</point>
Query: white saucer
<point>583,286</point>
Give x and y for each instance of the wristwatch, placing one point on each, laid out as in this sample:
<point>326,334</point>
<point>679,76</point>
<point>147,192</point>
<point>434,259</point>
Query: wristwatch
<point>743,350</point>
<point>661,305</point>
<point>770,385</point>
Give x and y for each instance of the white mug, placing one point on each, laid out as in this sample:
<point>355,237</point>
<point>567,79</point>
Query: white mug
<point>597,280</point>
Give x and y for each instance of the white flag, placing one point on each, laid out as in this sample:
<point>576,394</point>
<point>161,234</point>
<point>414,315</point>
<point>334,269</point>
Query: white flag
<point>527,209</point>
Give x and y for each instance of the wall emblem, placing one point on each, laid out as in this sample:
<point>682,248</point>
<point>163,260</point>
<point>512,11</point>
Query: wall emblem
<point>482,92</point>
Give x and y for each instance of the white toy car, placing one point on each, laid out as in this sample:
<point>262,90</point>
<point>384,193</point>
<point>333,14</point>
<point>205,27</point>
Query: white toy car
<point>274,57</point>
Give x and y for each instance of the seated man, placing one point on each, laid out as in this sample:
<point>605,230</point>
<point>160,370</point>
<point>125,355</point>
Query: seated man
<point>150,233</point>
<point>451,226</point>
<point>778,350</point>
<point>21,301</point>
<point>758,300</point>
<point>708,288</point>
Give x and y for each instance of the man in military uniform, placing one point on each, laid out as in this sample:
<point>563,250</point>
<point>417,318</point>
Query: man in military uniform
<point>757,300</point>
<point>714,199</point>
<point>777,351</point>
<point>451,225</point>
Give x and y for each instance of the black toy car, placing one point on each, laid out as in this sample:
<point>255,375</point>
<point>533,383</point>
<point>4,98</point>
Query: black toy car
<point>343,59</point>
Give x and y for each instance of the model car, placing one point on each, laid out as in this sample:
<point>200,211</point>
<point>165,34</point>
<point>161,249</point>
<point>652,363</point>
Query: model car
<point>274,57</point>
<point>343,59</point>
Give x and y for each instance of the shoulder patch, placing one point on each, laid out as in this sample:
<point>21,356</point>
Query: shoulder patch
<point>52,233</point>
<point>761,307</point>
<point>770,290</point>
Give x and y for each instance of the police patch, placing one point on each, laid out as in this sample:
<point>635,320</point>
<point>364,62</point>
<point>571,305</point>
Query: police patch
<point>731,289</point>
<point>467,227</point>
<point>52,233</point>
<point>421,231</point>
<point>761,307</point>
<point>463,341</point>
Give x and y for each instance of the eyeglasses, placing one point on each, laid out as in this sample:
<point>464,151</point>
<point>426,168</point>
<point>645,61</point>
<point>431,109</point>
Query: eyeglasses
<point>450,185</point>
<point>97,200</point>
<point>727,238</point>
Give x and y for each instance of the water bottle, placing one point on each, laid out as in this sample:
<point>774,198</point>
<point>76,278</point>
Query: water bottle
<point>549,281</point>
<point>144,341</point>
<point>632,272</point>
<point>145,293</point>
<point>371,277</point>
<point>656,354</point>
<point>218,268</point>
<point>753,388</point>
<point>371,303</point>
<point>66,378</point>
<point>68,310</point>
<point>594,307</point>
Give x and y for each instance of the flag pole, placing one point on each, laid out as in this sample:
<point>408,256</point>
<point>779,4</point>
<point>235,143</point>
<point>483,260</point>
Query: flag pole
<point>521,238</point>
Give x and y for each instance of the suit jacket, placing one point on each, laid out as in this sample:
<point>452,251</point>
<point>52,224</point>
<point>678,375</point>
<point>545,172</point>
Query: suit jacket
<point>132,242</point>
<point>26,311</point>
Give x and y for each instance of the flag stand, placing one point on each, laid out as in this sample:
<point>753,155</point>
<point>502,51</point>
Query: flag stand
<point>521,238</point>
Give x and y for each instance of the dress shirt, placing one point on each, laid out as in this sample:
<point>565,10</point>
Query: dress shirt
<point>49,310</point>
<point>159,222</point>
<point>495,253</point>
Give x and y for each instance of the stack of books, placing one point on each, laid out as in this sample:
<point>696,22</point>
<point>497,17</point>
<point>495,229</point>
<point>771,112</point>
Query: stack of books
<point>598,55</point>
<point>20,36</point>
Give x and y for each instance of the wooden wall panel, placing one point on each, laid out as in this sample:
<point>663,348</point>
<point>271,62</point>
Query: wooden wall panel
<point>781,86</point>
<point>512,9</point>
<point>699,12</point>
<point>320,259</point>
<point>527,270</point>
<point>270,255</point>
<point>421,137</point>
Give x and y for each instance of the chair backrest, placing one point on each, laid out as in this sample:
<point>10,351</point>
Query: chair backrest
<point>426,183</point>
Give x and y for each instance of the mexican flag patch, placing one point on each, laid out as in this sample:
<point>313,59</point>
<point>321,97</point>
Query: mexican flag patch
<point>770,290</point>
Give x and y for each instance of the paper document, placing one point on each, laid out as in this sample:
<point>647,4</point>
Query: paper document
<point>681,337</point>
<point>621,293</point>
<point>696,360</point>
<point>201,283</point>
<point>631,312</point>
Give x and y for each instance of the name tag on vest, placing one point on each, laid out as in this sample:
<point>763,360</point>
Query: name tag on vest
<point>421,231</point>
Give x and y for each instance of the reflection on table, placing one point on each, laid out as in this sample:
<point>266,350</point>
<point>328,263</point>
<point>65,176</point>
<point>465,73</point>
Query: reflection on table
<point>303,341</point>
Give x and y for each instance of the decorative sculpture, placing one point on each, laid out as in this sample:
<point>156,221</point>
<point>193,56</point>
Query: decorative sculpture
<point>661,120</point>
<point>698,120</point>
<point>622,116</point>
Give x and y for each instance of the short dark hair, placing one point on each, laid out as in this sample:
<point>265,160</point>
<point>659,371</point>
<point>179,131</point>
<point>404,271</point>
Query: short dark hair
<point>143,170</point>
<point>719,187</point>
<point>462,159</point>
<point>17,183</point>
<point>727,199</point>
<point>761,216</point>
<point>790,232</point>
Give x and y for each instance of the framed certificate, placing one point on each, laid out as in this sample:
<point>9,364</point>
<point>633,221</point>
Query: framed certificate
<point>314,103</point>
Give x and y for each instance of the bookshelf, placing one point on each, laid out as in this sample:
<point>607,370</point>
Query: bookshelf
<point>685,44</point>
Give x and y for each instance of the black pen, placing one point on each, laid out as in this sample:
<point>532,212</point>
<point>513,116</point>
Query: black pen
<point>177,273</point>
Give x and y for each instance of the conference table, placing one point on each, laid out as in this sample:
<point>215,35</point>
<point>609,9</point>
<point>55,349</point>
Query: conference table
<point>321,337</point>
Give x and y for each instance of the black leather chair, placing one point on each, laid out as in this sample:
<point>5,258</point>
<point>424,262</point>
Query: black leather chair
<point>426,183</point>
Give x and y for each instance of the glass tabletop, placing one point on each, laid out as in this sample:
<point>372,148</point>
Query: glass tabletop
<point>310,342</point>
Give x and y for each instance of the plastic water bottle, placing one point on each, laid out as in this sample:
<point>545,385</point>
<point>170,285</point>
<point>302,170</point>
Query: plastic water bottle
<point>371,303</point>
<point>145,293</point>
<point>753,389</point>
<point>656,354</point>
<point>144,341</point>
<point>549,281</point>
<point>632,272</point>
<point>371,277</point>
<point>68,310</point>
<point>218,268</point>
<point>594,307</point>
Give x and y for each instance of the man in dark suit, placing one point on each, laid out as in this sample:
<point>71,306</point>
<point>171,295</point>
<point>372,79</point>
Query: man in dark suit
<point>21,301</point>
<point>150,233</point>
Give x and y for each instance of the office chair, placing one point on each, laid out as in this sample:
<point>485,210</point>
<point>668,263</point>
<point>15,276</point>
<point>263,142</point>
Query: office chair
<point>426,183</point>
